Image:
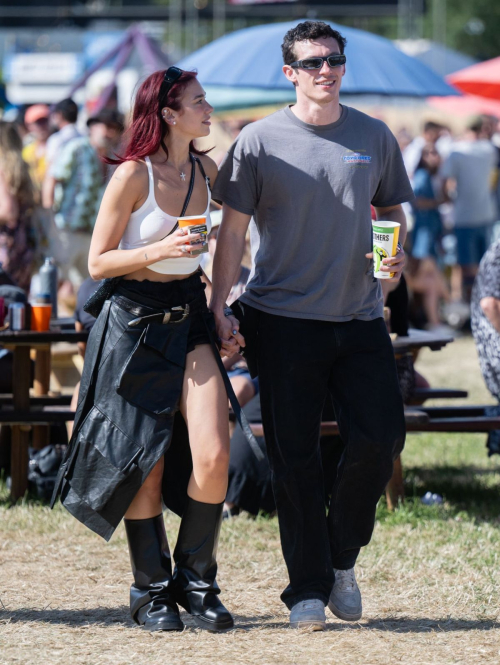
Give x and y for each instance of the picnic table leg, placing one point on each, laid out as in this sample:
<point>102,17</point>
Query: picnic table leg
<point>20,433</point>
<point>41,433</point>
<point>394,491</point>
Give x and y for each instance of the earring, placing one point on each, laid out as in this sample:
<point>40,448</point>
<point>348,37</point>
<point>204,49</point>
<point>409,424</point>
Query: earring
<point>173,122</point>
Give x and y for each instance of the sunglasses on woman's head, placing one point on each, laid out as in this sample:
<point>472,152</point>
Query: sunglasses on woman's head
<point>316,63</point>
<point>172,75</point>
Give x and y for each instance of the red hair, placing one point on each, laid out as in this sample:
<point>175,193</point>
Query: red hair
<point>147,130</point>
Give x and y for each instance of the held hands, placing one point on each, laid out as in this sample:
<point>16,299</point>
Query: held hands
<point>228,331</point>
<point>177,245</point>
<point>393,264</point>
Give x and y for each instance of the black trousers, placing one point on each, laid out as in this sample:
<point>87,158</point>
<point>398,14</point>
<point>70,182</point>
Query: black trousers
<point>299,363</point>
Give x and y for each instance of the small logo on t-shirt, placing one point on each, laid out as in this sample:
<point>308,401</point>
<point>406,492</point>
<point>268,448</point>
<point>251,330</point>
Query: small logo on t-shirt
<point>357,158</point>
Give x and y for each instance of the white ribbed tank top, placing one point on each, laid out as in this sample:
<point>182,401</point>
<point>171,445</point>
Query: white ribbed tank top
<point>150,224</point>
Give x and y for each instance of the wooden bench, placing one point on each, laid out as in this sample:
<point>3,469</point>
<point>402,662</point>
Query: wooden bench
<point>6,399</point>
<point>413,417</point>
<point>42,415</point>
<point>421,395</point>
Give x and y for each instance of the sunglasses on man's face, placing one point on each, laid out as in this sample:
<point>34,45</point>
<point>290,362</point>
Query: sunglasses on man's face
<point>334,60</point>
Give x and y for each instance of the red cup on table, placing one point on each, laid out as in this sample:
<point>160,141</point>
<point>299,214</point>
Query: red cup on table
<point>40,316</point>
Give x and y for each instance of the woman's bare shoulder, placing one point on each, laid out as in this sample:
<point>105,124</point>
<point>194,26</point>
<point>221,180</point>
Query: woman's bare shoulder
<point>131,172</point>
<point>210,166</point>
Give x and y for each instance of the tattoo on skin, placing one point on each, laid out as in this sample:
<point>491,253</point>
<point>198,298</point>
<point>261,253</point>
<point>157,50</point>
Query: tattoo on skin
<point>146,256</point>
<point>117,178</point>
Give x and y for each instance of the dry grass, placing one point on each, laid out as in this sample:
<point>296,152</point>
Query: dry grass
<point>430,577</point>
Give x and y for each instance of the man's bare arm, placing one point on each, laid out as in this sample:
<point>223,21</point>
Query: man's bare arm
<point>48,188</point>
<point>227,263</point>
<point>491,309</point>
<point>228,255</point>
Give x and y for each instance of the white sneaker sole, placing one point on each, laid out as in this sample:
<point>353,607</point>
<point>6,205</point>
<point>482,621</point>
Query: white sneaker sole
<point>345,616</point>
<point>309,625</point>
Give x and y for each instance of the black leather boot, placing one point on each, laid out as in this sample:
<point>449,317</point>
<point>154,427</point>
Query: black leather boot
<point>196,567</point>
<point>152,604</point>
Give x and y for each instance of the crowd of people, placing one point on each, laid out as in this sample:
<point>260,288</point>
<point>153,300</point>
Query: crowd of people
<point>455,215</point>
<point>52,178</point>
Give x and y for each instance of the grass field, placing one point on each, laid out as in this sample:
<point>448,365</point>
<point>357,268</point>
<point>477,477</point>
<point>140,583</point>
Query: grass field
<point>430,577</point>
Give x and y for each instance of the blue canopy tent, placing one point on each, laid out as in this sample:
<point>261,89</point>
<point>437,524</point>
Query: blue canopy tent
<point>243,68</point>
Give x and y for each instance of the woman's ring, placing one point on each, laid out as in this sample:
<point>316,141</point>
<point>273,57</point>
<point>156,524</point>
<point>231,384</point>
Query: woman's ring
<point>184,249</point>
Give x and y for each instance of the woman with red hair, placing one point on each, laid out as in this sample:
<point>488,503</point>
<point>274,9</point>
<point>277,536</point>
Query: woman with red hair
<point>152,368</point>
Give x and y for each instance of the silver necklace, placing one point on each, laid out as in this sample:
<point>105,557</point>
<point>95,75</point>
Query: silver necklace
<point>182,175</point>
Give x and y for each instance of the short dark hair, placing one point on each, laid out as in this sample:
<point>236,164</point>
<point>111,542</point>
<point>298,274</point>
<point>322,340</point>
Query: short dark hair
<point>108,117</point>
<point>308,30</point>
<point>430,126</point>
<point>68,109</point>
<point>475,124</point>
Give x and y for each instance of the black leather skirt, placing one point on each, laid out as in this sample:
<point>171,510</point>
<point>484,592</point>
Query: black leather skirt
<point>128,409</point>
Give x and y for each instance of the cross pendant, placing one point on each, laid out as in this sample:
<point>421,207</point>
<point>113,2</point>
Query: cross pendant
<point>183,176</point>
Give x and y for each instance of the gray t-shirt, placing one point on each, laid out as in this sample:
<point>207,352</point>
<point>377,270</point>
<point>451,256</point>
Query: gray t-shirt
<point>473,164</point>
<point>309,188</point>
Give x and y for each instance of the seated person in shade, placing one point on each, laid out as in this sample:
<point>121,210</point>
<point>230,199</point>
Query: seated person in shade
<point>249,486</point>
<point>245,388</point>
<point>396,299</point>
<point>485,320</point>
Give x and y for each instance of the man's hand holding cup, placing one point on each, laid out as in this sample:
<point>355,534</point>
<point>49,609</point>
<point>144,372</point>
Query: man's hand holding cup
<point>388,255</point>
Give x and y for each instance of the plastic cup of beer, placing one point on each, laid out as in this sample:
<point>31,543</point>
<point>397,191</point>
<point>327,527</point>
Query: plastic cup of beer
<point>385,245</point>
<point>40,316</point>
<point>196,224</point>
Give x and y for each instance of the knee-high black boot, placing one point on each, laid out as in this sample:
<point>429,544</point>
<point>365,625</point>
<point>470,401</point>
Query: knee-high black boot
<point>196,566</point>
<point>152,604</point>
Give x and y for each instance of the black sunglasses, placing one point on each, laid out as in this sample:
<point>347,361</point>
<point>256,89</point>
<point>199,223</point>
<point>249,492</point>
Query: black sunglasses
<point>316,63</point>
<point>172,75</point>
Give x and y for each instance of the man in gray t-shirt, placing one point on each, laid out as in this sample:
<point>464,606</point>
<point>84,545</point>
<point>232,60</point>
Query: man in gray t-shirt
<point>311,315</point>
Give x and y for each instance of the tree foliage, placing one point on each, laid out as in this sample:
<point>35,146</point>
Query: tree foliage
<point>471,27</point>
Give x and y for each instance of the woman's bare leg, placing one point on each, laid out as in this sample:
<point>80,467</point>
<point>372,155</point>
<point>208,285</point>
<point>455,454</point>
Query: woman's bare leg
<point>147,501</point>
<point>204,407</point>
<point>205,410</point>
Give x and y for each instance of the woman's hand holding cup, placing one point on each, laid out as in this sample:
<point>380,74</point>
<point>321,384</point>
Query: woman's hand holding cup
<point>178,244</point>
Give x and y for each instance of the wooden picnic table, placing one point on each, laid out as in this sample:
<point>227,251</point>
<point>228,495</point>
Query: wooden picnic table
<point>418,339</point>
<point>23,415</point>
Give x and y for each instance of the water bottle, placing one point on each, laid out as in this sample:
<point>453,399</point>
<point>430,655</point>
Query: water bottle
<point>48,282</point>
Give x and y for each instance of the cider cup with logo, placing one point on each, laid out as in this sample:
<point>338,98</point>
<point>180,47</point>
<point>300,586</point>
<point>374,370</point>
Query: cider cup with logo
<point>196,224</point>
<point>385,245</point>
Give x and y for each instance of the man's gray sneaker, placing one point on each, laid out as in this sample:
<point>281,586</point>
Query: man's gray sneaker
<point>345,599</point>
<point>308,614</point>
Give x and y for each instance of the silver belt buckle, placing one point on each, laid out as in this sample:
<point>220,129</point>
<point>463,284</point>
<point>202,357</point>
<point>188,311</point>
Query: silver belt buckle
<point>184,310</point>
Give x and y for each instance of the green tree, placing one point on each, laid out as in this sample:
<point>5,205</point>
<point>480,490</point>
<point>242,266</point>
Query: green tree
<point>471,27</point>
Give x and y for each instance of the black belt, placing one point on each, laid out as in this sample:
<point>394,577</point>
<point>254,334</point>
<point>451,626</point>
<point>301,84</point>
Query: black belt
<point>149,315</point>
